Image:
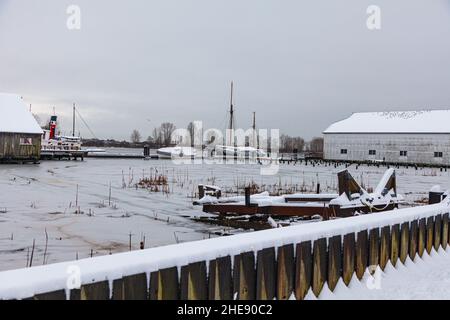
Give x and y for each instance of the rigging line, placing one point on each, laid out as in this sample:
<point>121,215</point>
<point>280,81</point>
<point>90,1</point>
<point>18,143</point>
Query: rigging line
<point>85,123</point>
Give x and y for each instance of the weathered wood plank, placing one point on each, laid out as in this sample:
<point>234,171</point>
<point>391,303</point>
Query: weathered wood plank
<point>422,237</point>
<point>395,243</point>
<point>404,241</point>
<point>194,281</point>
<point>220,279</point>
<point>385,246</point>
<point>334,261</point>
<point>285,272</point>
<point>55,295</point>
<point>133,287</point>
<point>95,291</point>
<point>266,274</point>
<point>374,250</point>
<point>437,231</point>
<point>75,294</point>
<point>319,265</point>
<point>413,239</point>
<point>244,276</point>
<point>118,290</point>
<point>444,232</point>
<point>164,284</point>
<point>362,253</point>
<point>348,264</point>
<point>303,269</point>
<point>430,234</point>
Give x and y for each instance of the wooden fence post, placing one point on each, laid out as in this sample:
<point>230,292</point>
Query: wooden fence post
<point>374,250</point>
<point>437,231</point>
<point>413,239</point>
<point>430,233</point>
<point>444,233</point>
<point>244,276</point>
<point>95,291</point>
<point>266,274</point>
<point>194,281</point>
<point>285,272</point>
<point>395,243</point>
<point>303,269</point>
<point>385,244</point>
<point>348,263</point>
<point>404,241</point>
<point>164,284</point>
<point>131,288</point>
<point>55,295</point>
<point>220,279</point>
<point>362,252</point>
<point>319,265</point>
<point>422,237</point>
<point>334,261</point>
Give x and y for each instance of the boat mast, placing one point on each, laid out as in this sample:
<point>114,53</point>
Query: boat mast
<point>231,124</point>
<point>73,121</point>
<point>255,137</point>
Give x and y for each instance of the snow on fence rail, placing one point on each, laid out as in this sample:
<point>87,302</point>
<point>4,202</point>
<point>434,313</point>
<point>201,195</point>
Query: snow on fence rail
<point>277,263</point>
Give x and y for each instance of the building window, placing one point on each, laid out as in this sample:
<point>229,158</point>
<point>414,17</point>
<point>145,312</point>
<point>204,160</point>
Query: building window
<point>343,151</point>
<point>372,152</point>
<point>403,153</point>
<point>26,141</point>
<point>438,154</point>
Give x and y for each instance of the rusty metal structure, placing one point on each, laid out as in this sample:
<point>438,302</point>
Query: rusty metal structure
<point>352,199</point>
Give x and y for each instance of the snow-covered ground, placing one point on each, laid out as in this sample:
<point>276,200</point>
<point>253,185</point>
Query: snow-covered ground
<point>426,278</point>
<point>39,198</point>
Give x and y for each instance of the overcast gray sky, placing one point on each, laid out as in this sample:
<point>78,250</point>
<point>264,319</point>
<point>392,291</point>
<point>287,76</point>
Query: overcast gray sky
<point>300,65</point>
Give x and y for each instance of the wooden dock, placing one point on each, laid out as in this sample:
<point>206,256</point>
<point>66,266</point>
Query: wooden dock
<point>63,154</point>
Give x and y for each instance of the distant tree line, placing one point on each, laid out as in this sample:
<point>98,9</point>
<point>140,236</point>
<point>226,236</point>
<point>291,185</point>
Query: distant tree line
<point>290,144</point>
<point>161,136</point>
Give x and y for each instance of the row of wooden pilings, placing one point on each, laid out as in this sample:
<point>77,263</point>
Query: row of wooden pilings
<point>285,272</point>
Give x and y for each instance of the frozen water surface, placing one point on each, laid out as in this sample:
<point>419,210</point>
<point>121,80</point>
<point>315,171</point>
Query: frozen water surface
<point>39,198</point>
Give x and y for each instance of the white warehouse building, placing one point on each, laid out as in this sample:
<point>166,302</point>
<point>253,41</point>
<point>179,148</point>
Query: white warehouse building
<point>416,137</point>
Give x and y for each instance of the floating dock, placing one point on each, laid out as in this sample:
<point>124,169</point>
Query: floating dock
<point>63,154</point>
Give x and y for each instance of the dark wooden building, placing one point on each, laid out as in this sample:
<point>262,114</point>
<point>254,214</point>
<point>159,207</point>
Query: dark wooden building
<point>20,134</point>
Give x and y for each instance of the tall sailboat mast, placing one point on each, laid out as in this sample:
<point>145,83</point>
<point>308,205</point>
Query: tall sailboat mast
<point>73,121</point>
<point>231,124</point>
<point>255,136</point>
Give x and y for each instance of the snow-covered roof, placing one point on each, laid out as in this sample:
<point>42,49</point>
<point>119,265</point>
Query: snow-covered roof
<point>431,121</point>
<point>14,116</point>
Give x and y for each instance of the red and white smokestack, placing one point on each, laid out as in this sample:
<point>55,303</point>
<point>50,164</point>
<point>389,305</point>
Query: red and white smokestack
<point>52,127</point>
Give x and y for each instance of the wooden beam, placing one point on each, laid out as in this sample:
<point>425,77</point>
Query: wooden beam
<point>266,274</point>
<point>395,244</point>
<point>430,234</point>
<point>374,250</point>
<point>319,265</point>
<point>164,284</point>
<point>194,281</point>
<point>413,239</point>
<point>422,237</point>
<point>244,276</point>
<point>285,272</point>
<point>404,242</point>
<point>220,279</point>
<point>348,258</point>
<point>334,261</point>
<point>303,269</point>
<point>385,246</point>
<point>362,253</point>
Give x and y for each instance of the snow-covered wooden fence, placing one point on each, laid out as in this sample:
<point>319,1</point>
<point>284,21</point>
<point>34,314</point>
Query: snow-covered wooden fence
<point>279,263</point>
